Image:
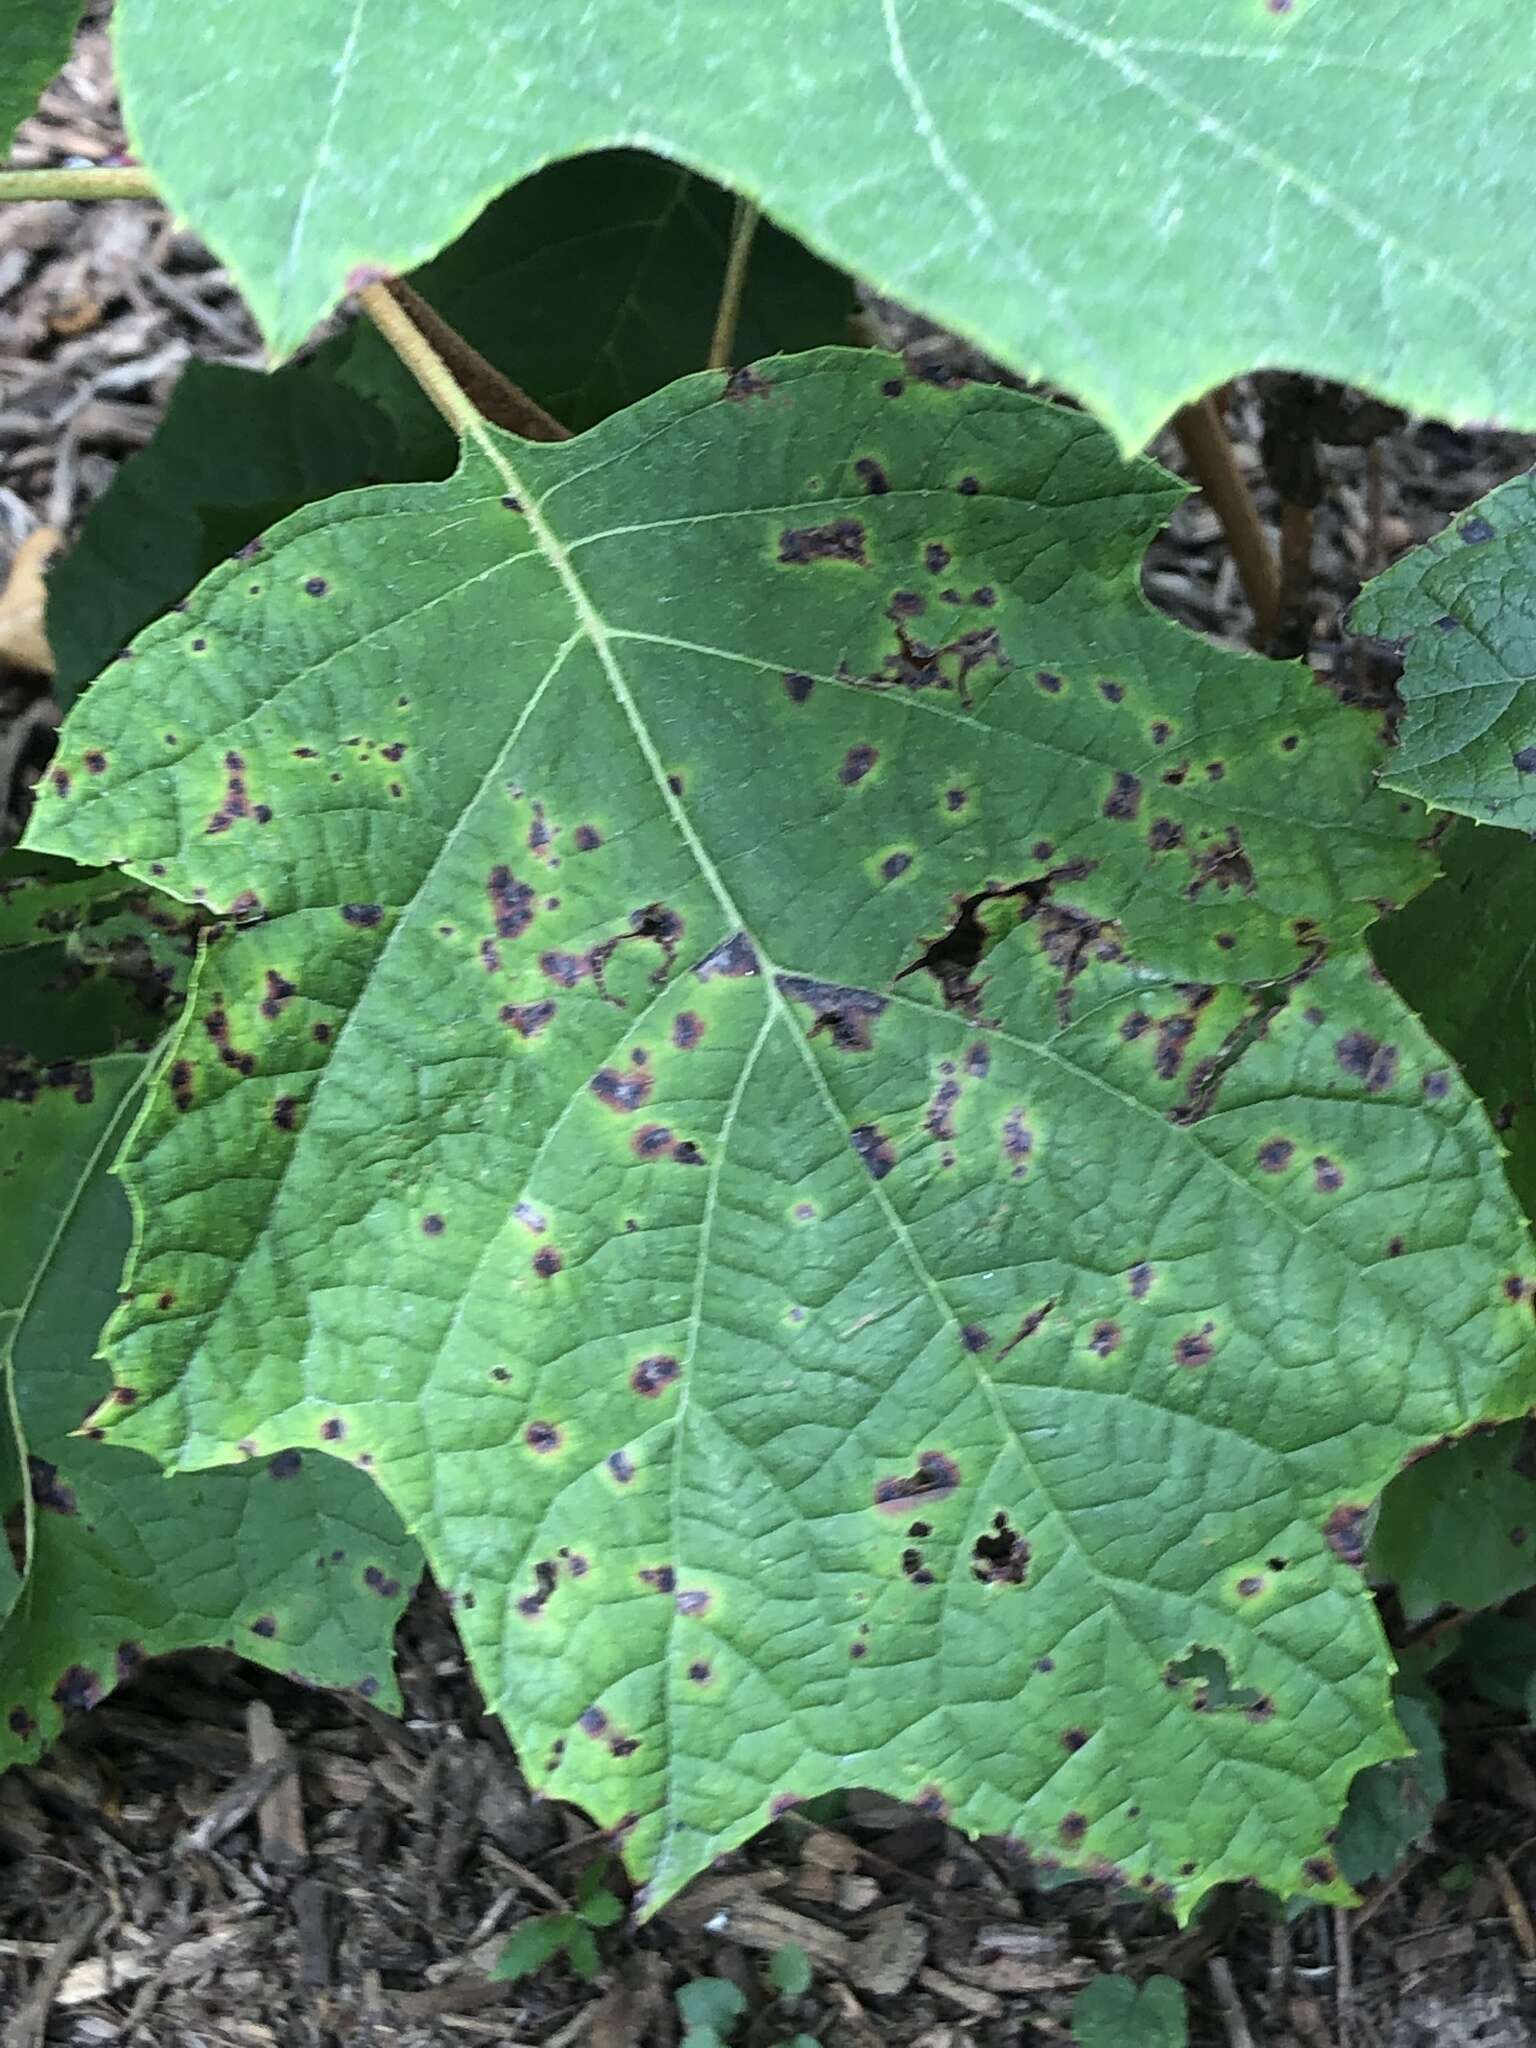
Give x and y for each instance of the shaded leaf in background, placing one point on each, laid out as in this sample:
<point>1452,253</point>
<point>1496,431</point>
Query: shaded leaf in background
<point>1465,603</point>
<point>298,1563</point>
<point>35,38</point>
<point>1458,1529</point>
<point>815,1350</point>
<point>1464,956</point>
<point>1137,207</point>
<point>1110,2012</point>
<point>592,285</point>
<point>1392,1805</point>
<point>92,962</point>
<point>1499,1651</point>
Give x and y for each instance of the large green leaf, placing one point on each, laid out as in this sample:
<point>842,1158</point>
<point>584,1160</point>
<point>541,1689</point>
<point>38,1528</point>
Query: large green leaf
<point>1466,604</point>
<point>298,1564</point>
<point>810,1352</point>
<point>591,285</point>
<point>1137,208</point>
<point>1464,955</point>
<point>35,36</point>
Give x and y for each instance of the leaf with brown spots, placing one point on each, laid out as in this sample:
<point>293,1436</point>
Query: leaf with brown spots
<point>871,1204</point>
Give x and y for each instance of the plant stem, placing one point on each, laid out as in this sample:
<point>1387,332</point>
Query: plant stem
<point>385,304</point>
<point>723,340</point>
<point>493,396</point>
<point>124,183</point>
<point>1208,447</point>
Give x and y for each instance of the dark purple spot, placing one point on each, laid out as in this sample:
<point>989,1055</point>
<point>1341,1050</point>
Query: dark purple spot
<point>1525,760</point>
<point>285,1112</point>
<point>733,957</point>
<point>1437,1085</point>
<point>1164,834</point>
<point>265,1625</point>
<point>1249,1588</point>
<point>1124,799</point>
<point>693,1600</point>
<point>1475,529</point>
<point>624,1092</point>
<point>526,1019</point>
<point>432,1226</point>
<point>279,991</point>
<point>936,1477</point>
<point>654,1375</point>
<point>857,763</point>
<point>1073,1828</point>
<point>1018,1141</point>
<point>1368,1060</point>
<point>316,586</point>
<point>1327,1177</point>
<point>1112,693</point>
<point>974,1337</point>
<point>46,1488</point>
<point>78,1688</point>
<point>876,1153</point>
<point>1195,1347</point>
<point>547,1262</point>
<point>511,902</point>
<point>542,1437</point>
<point>1000,1555</point>
<point>893,387</point>
<point>286,1465</point>
<point>364,914</point>
<point>955,799</point>
<point>895,864</point>
<point>1106,1337</point>
<point>622,1466</point>
<point>798,687</point>
<point>1275,1155</point>
<point>588,839</point>
<point>872,476</point>
<point>688,1027</point>
<point>1345,1533</point>
<point>968,487</point>
<point>1051,684</point>
<point>840,540</point>
<point>333,1429</point>
<point>95,762</point>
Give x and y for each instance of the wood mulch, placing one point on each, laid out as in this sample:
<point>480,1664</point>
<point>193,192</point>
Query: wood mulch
<point>216,1858</point>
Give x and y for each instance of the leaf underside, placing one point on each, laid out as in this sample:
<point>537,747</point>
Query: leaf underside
<point>1466,604</point>
<point>802,1089</point>
<point>1137,210</point>
<point>37,37</point>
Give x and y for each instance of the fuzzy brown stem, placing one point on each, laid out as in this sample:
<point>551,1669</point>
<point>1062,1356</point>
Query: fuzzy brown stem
<point>1208,449</point>
<point>495,397</point>
<point>439,375</point>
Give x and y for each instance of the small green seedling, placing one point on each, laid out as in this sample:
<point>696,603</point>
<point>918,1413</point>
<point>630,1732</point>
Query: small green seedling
<point>1111,2013</point>
<point>547,1935</point>
<point>709,2007</point>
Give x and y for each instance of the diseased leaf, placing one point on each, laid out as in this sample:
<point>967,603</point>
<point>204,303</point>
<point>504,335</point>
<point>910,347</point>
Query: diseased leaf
<point>1137,206</point>
<point>591,285</point>
<point>35,36</point>
<point>298,1564</point>
<point>810,1350</point>
<point>1458,1529</point>
<point>1464,955</point>
<point>1465,603</point>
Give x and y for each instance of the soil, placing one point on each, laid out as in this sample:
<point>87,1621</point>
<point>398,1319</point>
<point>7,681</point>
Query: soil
<point>217,1858</point>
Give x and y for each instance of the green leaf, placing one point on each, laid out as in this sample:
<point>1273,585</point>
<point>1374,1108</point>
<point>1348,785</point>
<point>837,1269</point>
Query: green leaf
<point>1392,1805</point>
<point>591,286</point>
<point>1465,603</point>
<point>1458,1529</point>
<point>534,1944</point>
<point>679,1247</point>
<point>1464,956</point>
<point>34,42</point>
<point>1109,2012</point>
<point>1136,212</point>
<point>1500,1653</point>
<point>710,2003</point>
<point>299,1564</point>
<point>789,1971</point>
